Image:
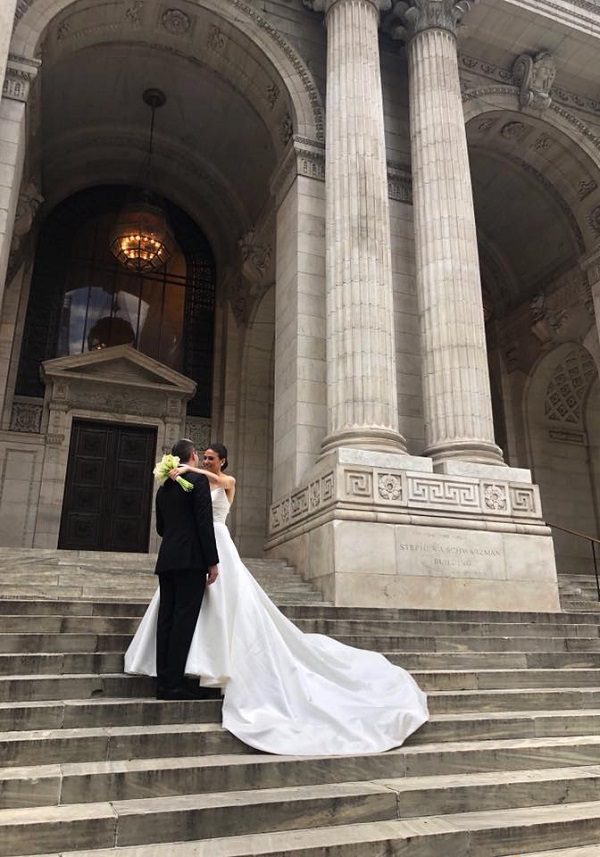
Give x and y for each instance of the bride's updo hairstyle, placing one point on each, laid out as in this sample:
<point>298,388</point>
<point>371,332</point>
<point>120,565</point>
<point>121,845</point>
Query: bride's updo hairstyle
<point>221,452</point>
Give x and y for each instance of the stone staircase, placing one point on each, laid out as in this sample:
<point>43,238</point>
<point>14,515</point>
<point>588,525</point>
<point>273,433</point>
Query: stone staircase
<point>579,592</point>
<point>66,574</point>
<point>92,765</point>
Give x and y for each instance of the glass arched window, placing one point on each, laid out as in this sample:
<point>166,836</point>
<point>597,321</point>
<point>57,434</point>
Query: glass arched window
<point>82,299</point>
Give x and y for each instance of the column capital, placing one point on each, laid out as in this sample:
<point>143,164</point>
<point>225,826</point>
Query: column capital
<point>326,5</point>
<point>408,18</point>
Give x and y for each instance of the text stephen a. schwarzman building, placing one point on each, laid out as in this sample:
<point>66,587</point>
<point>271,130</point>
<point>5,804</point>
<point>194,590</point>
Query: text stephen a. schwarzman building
<point>357,241</point>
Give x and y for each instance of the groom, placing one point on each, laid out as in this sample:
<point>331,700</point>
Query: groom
<point>187,561</point>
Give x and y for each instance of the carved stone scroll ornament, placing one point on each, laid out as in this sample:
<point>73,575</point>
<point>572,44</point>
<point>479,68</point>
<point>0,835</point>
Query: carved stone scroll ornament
<point>410,17</point>
<point>252,278</point>
<point>255,259</point>
<point>535,76</point>
<point>29,202</point>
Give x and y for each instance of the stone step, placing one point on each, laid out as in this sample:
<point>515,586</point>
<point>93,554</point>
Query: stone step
<point>341,629</point>
<point>44,643</point>
<point>61,663</point>
<point>423,628</point>
<point>399,614</point>
<point>493,660</point>
<point>90,685</point>
<point>495,679</point>
<point>98,744</point>
<point>476,834</point>
<point>22,724</point>
<point>125,626</point>
<point>71,781</point>
<point>74,663</point>
<point>286,816</point>
<point>86,713</point>
<point>578,851</point>
<point>471,644</point>
<point>136,607</point>
<point>437,749</point>
<point>75,713</point>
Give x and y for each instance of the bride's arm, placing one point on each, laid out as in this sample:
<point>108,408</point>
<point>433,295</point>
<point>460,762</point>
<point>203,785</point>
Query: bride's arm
<point>219,480</point>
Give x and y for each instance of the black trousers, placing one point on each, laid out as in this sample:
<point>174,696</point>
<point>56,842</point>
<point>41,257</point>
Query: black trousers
<point>181,594</point>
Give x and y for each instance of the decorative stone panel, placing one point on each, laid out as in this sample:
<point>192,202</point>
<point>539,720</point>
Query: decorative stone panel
<point>403,492</point>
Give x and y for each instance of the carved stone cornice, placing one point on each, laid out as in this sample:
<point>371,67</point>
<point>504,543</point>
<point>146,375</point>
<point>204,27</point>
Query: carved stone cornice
<point>408,18</point>
<point>303,157</point>
<point>326,5</point>
<point>20,74</point>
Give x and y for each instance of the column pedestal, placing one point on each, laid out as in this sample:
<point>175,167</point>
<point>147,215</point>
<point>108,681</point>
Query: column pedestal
<point>374,529</point>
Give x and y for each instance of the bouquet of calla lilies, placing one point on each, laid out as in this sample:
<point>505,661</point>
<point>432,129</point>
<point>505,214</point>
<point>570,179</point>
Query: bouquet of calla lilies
<point>164,467</point>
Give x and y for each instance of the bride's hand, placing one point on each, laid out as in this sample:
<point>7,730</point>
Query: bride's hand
<point>178,471</point>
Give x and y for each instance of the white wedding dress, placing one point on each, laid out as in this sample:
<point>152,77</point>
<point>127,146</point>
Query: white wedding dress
<point>285,691</point>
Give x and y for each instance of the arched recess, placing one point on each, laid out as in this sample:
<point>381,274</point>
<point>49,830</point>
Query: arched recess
<point>34,16</point>
<point>563,423</point>
<point>255,427</point>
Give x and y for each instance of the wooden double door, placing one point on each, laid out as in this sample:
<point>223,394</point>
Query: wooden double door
<point>108,492</point>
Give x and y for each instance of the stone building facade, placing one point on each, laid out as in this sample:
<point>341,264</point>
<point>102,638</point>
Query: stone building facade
<point>384,298</point>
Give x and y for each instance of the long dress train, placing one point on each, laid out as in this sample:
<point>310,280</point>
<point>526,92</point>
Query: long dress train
<point>285,691</point>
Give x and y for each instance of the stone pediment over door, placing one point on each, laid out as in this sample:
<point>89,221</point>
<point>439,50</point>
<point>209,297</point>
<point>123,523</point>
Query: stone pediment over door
<point>119,384</point>
<point>120,365</point>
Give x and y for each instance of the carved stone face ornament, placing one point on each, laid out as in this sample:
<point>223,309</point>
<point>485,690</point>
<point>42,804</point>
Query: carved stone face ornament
<point>535,76</point>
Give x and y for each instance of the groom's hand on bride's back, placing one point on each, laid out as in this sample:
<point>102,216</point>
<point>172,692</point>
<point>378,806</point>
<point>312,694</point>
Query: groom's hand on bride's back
<point>213,573</point>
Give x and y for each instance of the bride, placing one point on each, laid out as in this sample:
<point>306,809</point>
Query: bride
<point>285,691</point>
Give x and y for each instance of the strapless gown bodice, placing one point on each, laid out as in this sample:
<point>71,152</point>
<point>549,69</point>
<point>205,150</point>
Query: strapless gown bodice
<point>220,505</point>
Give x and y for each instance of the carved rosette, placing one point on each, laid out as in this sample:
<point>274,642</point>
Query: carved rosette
<point>408,18</point>
<point>176,22</point>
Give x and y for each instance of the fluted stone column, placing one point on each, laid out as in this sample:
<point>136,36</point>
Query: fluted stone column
<point>361,366</point>
<point>7,17</point>
<point>458,412</point>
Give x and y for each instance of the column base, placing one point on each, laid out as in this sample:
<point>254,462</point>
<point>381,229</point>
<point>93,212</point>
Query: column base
<point>376,439</point>
<point>382,530</point>
<point>480,452</point>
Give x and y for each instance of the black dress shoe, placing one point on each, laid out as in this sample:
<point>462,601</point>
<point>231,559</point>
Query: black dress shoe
<point>175,693</point>
<point>188,693</point>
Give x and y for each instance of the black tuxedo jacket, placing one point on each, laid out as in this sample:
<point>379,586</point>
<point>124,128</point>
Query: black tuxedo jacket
<point>184,519</point>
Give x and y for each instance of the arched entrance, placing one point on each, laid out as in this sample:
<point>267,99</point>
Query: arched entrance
<point>534,186</point>
<point>237,92</point>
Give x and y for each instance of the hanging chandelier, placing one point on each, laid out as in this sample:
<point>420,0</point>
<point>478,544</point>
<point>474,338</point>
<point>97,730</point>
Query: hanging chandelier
<point>141,240</point>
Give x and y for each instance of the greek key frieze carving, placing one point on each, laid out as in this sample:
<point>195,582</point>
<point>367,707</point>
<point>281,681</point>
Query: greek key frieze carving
<point>359,483</point>
<point>522,500</point>
<point>327,487</point>
<point>298,504</point>
<point>443,492</point>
